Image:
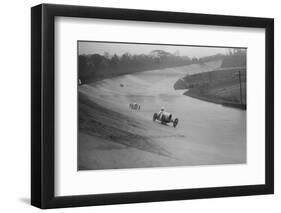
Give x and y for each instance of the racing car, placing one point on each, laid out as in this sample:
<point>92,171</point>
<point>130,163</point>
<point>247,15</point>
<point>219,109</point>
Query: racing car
<point>165,118</point>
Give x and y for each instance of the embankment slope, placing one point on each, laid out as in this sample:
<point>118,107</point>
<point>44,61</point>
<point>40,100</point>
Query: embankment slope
<point>220,86</point>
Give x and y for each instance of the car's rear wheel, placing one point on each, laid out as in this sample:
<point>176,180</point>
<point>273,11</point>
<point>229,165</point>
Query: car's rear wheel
<point>154,116</point>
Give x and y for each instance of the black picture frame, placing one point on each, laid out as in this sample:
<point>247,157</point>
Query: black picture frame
<point>43,102</point>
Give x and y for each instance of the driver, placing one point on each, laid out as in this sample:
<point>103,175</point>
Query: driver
<point>161,112</point>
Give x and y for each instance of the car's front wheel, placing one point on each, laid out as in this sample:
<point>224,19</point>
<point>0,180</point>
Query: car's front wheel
<point>175,123</point>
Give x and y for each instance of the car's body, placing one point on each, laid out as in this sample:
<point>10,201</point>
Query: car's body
<point>165,117</point>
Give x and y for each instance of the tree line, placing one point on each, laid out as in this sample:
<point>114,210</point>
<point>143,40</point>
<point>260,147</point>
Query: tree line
<point>235,58</point>
<point>96,66</point>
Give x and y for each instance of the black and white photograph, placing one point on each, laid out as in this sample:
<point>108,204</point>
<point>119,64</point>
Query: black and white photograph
<point>149,104</point>
<point>160,105</point>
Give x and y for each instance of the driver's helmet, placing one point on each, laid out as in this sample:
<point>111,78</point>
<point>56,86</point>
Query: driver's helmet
<point>162,109</point>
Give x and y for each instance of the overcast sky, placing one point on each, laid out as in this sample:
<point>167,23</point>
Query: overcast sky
<point>136,49</point>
